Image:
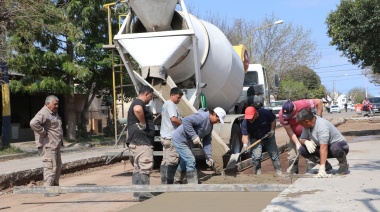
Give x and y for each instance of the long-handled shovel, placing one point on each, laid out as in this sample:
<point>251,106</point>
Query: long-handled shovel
<point>235,157</point>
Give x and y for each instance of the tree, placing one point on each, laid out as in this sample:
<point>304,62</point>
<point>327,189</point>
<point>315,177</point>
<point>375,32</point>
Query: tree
<point>45,51</point>
<point>357,94</point>
<point>310,80</point>
<point>279,48</point>
<point>354,28</point>
<point>292,90</point>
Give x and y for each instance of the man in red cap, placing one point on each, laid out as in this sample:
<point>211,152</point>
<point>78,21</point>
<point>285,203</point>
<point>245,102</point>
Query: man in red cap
<point>287,116</point>
<point>256,125</point>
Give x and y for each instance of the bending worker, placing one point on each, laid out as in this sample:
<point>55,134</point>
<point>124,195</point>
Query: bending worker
<point>169,122</point>
<point>196,129</point>
<point>321,140</point>
<point>287,116</point>
<point>257,124</point>
<point>141,138</point>
<point>48,132</point>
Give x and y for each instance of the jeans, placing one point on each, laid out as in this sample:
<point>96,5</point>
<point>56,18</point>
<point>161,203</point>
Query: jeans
<point>335,150</point>
<point>269,144</point>
<point>186,157</point>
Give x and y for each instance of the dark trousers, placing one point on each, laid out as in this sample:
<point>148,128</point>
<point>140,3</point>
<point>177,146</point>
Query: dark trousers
<point>335,150</point>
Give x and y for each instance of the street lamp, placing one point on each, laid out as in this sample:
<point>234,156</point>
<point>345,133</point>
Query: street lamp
<point>262,27</point>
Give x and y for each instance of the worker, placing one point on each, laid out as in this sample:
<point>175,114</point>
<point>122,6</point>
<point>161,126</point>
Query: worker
<point>48,132</point>
<point>140,138</point>
<point>287,116</point>
<point>170,120</point>
<point>195,130</point>
<point>321,140</point>
<point>256,125</point>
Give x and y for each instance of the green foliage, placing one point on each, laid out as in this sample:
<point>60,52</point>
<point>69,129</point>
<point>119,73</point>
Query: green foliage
<point>357,94</point>
<point>293,90</point>
<point>10,150</point>
<point>354,28</point>
<point>301,75</point>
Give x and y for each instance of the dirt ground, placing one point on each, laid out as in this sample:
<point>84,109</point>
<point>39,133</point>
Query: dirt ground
<point>120,174</point>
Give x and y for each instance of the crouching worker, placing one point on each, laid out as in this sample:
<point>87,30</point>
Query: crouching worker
<point>195,130</point>
<point>256,125</point>
<point>321,140</point>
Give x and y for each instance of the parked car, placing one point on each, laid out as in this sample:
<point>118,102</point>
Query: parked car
<point>351,107</point>
<point>334,108</point>
<point>375,101</point>
<point>276,106</point>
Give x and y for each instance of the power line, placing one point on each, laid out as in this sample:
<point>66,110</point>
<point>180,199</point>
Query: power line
<point>332,66</point>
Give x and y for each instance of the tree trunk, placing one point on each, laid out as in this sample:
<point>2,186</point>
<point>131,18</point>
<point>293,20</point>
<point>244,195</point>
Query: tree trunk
<point>70,116</point>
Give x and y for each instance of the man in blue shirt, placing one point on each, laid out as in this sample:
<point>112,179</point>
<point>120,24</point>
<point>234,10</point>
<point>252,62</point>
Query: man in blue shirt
<point>256,125</point>
<point>195,130</point>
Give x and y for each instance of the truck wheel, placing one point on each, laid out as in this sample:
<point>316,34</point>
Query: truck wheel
<point>235,142</point>
<point>241,107</point>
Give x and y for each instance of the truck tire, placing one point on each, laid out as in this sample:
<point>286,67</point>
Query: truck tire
<point>235,142</point>
<point>241,107</point>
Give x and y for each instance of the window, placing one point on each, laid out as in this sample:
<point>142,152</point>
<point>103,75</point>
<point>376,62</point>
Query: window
<point>251,78</point>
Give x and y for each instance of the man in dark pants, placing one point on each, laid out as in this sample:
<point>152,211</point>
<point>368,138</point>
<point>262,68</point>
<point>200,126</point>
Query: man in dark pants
<point>345,107</point>
<point>141,137</point>
<point>321,140</point>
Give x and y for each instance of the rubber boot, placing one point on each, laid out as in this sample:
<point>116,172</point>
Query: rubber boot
<point>192,177</point>
<point>328,166</point>
<point>170,174</point>
<point>309,165</point>
<point>144,180</point>
<point>178,177</point>
<point>257,167</point>
<point>277,167</point>
<point>294,169</point>
<point>164,174</point>
<point>136,181</point>
<point>343,165</point>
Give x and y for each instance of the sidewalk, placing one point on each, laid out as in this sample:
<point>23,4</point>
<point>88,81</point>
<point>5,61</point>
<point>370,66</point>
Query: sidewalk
<point>357,191</point>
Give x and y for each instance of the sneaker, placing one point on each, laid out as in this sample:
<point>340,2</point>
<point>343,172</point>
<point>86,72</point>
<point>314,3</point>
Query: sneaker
<point>343,169</point>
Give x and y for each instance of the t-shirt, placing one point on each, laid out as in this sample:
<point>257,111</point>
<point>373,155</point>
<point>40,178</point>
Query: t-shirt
<point>135,135</point>
<point>261,126</point>
<point>292,121</point>
<point>323,132</point>
<point>169,110</point>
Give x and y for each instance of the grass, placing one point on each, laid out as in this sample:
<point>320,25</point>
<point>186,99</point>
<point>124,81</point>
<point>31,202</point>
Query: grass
<point>10,150</point>
<point>95,139</point>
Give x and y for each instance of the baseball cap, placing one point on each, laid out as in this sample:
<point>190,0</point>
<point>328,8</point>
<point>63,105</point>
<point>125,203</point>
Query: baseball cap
<point>221,113</point>
<point>249,112</point>
<point>287,109</point>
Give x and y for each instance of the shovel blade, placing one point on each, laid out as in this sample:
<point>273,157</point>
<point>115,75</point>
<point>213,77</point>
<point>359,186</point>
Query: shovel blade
<point>233,161</point>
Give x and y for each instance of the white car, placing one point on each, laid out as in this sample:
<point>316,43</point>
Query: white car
<point>334,108</point>
<point>276,106</point>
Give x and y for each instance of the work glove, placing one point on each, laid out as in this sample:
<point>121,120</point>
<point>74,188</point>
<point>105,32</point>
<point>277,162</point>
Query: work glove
<point>270,134</point>
<point>244,149</point>
<point>298,145</point>
<point>210,162</point>
<point>310,146</point>
<point>197,141</point>
<point>141,126</point>
<point>322,172</point>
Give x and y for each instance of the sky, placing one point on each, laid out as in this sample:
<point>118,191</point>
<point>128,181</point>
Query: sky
<point>311,15</point>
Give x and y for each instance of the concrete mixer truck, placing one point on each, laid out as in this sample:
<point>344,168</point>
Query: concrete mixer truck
<point>175,49</point>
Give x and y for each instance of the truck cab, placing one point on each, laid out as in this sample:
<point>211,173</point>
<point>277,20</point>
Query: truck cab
<point>256,76</point>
